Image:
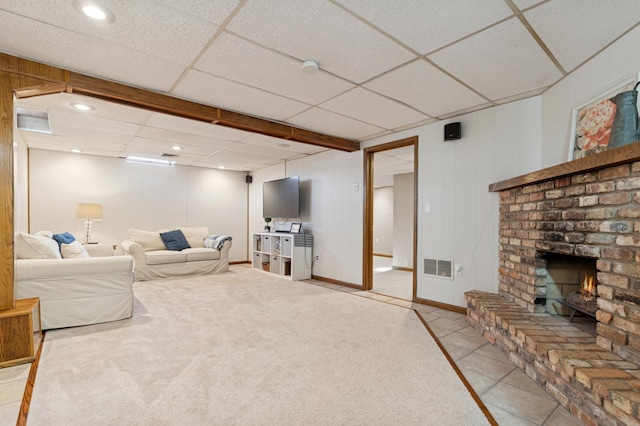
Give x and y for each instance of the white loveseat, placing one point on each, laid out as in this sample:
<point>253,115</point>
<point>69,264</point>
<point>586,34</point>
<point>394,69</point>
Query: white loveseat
<point>153,260</point>
<point>74,289</point>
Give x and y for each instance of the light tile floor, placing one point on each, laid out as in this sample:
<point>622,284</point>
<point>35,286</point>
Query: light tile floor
<point>510,396</point>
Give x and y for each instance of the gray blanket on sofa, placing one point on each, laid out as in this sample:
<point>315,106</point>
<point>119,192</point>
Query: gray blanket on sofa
<point>216,241</point>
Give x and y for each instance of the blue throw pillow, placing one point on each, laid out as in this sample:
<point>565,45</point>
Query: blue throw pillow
<point>174,240</point>
<point>65,238</point>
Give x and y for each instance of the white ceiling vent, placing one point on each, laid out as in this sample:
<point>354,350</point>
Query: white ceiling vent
<point>438,268</point>
<point>33,121</point>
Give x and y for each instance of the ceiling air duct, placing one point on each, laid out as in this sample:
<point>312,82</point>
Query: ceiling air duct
<point>33,121</point>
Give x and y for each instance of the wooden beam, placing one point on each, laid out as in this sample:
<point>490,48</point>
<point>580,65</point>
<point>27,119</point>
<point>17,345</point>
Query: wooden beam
<point>624,154</point>
<point>131,96</point>
<point>43,89</point>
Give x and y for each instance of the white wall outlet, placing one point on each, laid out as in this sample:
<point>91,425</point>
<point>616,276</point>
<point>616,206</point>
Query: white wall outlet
<point>458,269</point>
<point>356,186</point>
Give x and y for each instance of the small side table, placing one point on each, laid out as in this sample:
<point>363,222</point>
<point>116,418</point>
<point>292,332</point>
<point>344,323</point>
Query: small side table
<point>100,249</point>
<point>23,327</point>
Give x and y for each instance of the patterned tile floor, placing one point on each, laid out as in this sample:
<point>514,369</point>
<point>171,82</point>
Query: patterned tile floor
<point>509,395</point>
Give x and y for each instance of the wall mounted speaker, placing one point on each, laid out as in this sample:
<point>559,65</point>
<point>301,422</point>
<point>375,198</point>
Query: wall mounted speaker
<point>248,179</point>
<point>452,131</point>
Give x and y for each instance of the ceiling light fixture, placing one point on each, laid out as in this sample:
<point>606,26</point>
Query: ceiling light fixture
<point>176,148</point>
<point>221,167</point>
<point>283,145</point>
<point>94,10</point>
<point>76,150</point>
<point>82,107</point>
<point>151,161</point>
<point>309,67</point>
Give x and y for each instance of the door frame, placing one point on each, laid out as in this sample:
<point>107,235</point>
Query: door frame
<point>367,261</point>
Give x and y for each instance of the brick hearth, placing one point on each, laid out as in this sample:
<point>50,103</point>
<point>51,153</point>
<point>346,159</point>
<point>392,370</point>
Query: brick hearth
<point>592,212</point>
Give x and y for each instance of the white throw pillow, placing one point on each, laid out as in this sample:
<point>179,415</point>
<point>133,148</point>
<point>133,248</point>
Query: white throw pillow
<point>75,250</point>
<point>47,234</point>
<point>195,235</point>
<point>29,246</point>
<point>149,240</point>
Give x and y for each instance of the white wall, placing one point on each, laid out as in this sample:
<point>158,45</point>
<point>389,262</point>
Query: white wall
<point>331,209</point>
<point>135,196</point>
<point>403,220</point>
<point>383,209</point>
<point>618,62</point>
<point>462,225</point>
<point>20,181</point>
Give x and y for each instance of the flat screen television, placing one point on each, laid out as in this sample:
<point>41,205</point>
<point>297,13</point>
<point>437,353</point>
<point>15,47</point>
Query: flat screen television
<point>281,198</point>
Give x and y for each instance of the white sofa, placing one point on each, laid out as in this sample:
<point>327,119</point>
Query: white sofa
<point>76,292</point>
<point>74,289</point>
<point>152,260</point>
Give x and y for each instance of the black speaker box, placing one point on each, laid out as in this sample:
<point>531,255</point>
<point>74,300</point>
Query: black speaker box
<point>452,131</point>
<point>248,179</point>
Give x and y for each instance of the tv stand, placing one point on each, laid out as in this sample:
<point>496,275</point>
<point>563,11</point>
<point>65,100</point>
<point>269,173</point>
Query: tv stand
<point>284,254</point>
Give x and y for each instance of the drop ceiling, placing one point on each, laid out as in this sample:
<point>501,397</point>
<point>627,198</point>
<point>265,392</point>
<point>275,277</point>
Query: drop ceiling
<point>384,66</point>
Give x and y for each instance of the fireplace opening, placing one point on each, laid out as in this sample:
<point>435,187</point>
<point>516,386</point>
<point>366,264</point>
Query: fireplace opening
<point>572,289</point>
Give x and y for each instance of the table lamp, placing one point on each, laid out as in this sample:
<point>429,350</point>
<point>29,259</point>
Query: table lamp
<point>88,212</point>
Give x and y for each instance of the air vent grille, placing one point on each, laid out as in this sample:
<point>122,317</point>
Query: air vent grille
<point>438,268</point>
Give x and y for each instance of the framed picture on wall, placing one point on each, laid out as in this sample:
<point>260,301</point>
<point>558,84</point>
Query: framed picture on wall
<point>592,119</point>
<point>296,228</point>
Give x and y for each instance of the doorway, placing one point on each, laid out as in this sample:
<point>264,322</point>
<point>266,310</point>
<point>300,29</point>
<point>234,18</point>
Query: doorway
<point>389,266</point>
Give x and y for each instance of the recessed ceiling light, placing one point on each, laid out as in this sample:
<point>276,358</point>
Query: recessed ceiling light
<point>221,167</point>
<point>284,145</point>
<point>82,107</point>
<point>94,10</point>
<point>77,151</point>
<point>176,148</point>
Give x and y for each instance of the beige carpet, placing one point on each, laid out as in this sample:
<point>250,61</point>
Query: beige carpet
<point>246,348</point>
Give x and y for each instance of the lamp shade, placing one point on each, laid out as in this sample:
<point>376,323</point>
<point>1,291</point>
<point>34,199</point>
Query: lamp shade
<point>89,211</point>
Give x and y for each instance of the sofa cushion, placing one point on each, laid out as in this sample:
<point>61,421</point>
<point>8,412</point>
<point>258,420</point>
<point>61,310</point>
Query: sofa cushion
<point>74,250</point>
<point>149,240</point>
<point>197,253</point>
<point>195,235</point>
<point>174,240</point>
<point>29,246</point>
<point>160,257</point>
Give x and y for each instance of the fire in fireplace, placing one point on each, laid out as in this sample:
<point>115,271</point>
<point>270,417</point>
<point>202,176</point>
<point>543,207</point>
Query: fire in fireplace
<point>585,300</point>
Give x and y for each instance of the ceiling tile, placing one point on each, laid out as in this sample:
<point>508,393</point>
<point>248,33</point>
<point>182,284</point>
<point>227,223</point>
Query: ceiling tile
<point>428,25</point>
<point>215,12</point>
<point>524,4</point>
<point>373,108</point>
<point>22,37</point>
<point>160,146</point>
<point>91,123</point>
<point>142,25</point>
<point>239,60</point>
<point>431,91</point>
<point>319,30</point>
<point>576,29</point>
<point>257,139</point>
<point>334,124</point>
<point>186,140</point>
<point>243,148</point>
<point>499,62</point>
<point>184,125</point>
<point>226,94</point>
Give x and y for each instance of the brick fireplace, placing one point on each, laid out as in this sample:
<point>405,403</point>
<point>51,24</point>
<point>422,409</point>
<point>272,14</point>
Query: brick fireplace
<point>589,211</point>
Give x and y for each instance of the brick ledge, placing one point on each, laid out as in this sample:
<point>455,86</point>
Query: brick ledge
<point>596,385</point>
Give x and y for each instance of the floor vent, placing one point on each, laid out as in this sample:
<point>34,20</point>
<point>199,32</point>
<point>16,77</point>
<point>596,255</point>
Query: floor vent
<point>438,268</point>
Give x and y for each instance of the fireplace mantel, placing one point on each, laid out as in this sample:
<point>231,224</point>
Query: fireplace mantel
<point>624,154</point>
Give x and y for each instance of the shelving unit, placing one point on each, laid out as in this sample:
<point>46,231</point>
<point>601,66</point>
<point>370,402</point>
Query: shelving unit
<point>285,255</point>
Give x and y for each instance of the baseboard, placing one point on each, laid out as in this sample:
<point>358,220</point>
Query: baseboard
<point>332,281</point>
<point>240,262</point>
<point>402,268</point>
<point>390,256</point>
<point>440,305</point>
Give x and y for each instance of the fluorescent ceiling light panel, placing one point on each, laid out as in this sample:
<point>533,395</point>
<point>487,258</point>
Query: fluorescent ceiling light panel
<point>152,161</point>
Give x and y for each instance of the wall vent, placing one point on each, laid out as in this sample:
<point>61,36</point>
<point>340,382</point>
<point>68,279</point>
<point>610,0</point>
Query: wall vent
<point>438,268</point>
